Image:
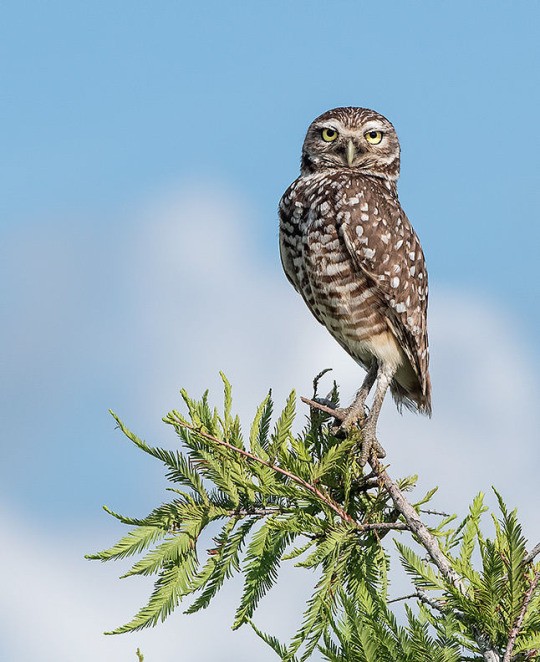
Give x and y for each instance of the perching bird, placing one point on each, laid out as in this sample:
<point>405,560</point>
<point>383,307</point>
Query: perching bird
<point>348,248</point>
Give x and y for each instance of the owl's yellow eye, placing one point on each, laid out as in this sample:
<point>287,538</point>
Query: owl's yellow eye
<point>373,137</point>
<point>329,135</point>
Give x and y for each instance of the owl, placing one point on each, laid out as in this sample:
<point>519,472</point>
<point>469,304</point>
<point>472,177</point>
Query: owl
<point>350,251</point>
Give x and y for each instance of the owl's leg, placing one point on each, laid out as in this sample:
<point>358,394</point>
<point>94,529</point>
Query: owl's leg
<point>356,411</point>
<point>385,375</point>
<point>355,414</point>
<point>360,400</point>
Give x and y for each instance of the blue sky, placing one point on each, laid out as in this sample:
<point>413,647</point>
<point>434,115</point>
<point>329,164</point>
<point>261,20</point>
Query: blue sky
<point>144,150</point>
<point>103,103</point>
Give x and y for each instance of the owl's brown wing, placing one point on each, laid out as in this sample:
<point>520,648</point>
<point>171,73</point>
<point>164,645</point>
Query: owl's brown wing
<point>383,244</point>
<point>292,210</point>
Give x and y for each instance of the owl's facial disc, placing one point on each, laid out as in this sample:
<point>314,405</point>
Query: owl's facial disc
<point>352,138</point>
<point>340,145</point>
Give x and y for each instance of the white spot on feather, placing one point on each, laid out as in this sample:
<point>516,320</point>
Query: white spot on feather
<point>336,268</point>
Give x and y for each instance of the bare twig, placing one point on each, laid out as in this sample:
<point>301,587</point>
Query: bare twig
<point>403,597</point>
<point>317,379</point>
<point>519,620</point>
<point>365,484</point>
<point>532,554</point>
<point>260,512</point>
<point>423,597</point>
<point>325,408</point>
<point>434,604</point>
<point>434,512</point>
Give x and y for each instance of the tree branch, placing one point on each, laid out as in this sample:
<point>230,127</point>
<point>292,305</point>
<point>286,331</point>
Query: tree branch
<point>532,554</point>
<point>519,620</point>
<point>318,405</point>
<point>412,521</point>
<point>416,526</point>
<point>363,526</point>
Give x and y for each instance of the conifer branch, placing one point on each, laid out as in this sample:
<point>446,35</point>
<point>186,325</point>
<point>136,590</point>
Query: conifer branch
<point>250,456</point>
<point>383,526</point>
<point>430,544</point>
<point>521,616</point>
<point>305,497</point>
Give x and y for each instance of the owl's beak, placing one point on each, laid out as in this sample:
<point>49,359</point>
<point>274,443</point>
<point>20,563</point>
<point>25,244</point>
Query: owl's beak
<point>351,153</point>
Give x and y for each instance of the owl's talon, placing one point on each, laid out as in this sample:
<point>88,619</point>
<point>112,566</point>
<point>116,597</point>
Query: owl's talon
<point>346,420</point>
<point>370,445</point>
<point>353,415</point>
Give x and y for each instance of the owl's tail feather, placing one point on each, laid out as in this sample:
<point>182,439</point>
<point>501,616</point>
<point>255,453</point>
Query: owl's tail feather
<point>416,400</point>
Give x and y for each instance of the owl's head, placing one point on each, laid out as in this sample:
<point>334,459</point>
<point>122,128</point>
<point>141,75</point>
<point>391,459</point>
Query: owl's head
<point>355,138</point>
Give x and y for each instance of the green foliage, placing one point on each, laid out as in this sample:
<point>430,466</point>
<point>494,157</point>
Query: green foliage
<point>282,496</point>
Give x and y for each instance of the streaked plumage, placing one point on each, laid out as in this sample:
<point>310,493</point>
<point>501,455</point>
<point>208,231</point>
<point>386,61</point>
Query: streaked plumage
<point>348,248</point>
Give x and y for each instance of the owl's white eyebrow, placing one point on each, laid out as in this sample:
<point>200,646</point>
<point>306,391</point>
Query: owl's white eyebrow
<point>374,125</point>
<point>336,126</point>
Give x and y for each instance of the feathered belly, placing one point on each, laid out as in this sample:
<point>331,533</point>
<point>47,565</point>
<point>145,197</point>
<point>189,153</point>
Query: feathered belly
<point>348,305</point>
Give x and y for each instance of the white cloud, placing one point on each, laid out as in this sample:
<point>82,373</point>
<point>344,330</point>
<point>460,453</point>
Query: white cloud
<point>200,298</point>
<point>55,605</point>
